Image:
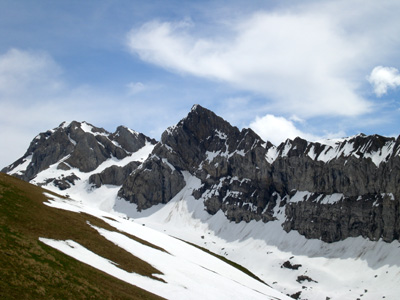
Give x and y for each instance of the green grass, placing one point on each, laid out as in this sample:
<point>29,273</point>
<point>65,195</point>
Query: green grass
<point>30,269</point>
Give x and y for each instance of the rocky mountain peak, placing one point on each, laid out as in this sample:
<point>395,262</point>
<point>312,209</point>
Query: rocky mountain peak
<point>76,145</point>
<point>203,122</point>
<point>202,132</point>
<point>200,124</point>
<point>218,153</point>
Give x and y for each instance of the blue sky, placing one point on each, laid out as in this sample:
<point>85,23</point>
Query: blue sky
<point>316,69</point>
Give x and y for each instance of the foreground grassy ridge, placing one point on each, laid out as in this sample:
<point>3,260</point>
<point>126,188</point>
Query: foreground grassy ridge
<point>30,269</point>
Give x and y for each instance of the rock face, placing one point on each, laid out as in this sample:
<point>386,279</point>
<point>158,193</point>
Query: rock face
<point>370,216</point>
<point>353,167</point>
<point>113,175</point>
<point>153,183</point>
<point>329,190</point>
<point>364,174</point>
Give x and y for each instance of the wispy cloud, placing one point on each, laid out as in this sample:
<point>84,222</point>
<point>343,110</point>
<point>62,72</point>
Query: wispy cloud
<point>384,78</point>
<point>139,87</point>
<point>136,87</point>
<point>22,71</point>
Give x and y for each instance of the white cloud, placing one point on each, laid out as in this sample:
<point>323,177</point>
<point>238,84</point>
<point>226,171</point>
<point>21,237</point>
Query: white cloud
<point>384,78</point>
<point>278,129</point>
<point>306,60</point>
<point>22,71</point>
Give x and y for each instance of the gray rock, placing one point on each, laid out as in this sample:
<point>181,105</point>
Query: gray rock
<point>151,184</point>
<point>62,182</point>
<point>113,175</point>
<point>63,166</point>
<point>130,140</point>
<point>370,216</point>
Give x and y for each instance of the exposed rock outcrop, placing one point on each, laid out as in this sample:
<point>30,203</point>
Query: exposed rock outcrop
<point>113,175</point>
<point>63,182</point>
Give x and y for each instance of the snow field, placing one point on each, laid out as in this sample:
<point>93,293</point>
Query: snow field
<point>190,273</point>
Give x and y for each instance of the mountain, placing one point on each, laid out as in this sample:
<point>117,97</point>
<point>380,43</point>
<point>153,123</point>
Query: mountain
<point>319,184</point>
<point>267,207</point>
<point>103,256</point>
<point>76,145</point>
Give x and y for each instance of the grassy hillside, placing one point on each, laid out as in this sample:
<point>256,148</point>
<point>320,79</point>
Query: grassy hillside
<point>30,269</point>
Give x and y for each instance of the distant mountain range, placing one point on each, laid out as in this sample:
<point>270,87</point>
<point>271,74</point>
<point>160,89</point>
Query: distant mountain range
<point>329,190</point>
